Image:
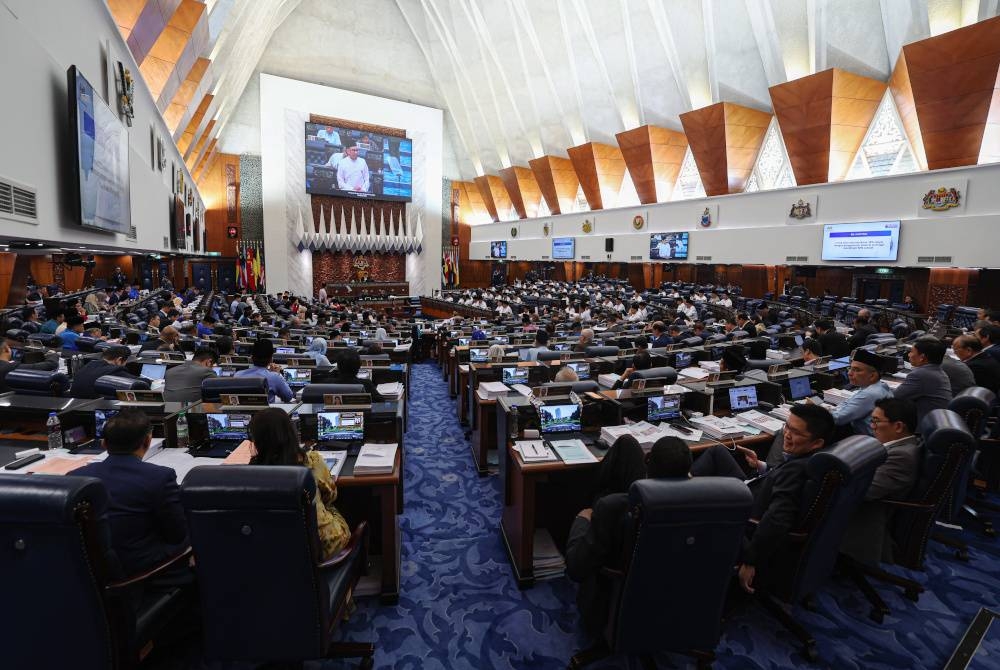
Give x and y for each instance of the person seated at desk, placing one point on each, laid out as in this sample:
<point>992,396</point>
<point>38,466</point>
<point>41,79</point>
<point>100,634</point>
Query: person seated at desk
<point>862,329</point>
<point>811,350</point>
<point>262,365</point>
<point>985,368</point>
<point>206,326</point>
<point>641,361</point>
<point>348,366</point>
<point>831,342</point>
<point>274,441</point>
<point>182,383</point>
<point>50,363</point>
<point>989,336</point>
<point>959,375</point>
<point>541,344</point>
<point>74,329</point>
<point>224,345</point>
<point>660,337</point>
<point>51,326</point>
<point>894,423</point>
<point>168,337</point>
<point>865,373</point>
<point>586,340</point>
<point>145,515</point>
<point>776,490</point>
<point>734,359</point>
<point>317,352</point>
<point>926,384</point>
<point>111,362</point>
<point>565,375</point>
<point>597,534</point>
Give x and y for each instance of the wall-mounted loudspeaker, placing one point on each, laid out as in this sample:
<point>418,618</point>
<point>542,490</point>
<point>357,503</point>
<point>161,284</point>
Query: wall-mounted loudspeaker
<point>609,244</point>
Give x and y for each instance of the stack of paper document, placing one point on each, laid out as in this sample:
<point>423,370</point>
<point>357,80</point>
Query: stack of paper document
<point>611,433</point>
<point>390,391</point>
<point>777,353</point>
<point>534,451</point>
<point>608,379</point>
<point>782,412</point>
<point>573,451</point>
<point>492,390</point>
<point>764,422</point>
<point>335,461</point>
<point>694,373</point>
<point>522,389</point>
<point>375,459</point>
<point>546,560</point>
<point>720,427</point>
<point>837,396</point>
<point>711,366</point>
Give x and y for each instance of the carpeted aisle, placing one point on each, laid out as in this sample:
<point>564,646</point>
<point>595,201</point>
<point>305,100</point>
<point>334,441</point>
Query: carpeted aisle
<point>459,606</point>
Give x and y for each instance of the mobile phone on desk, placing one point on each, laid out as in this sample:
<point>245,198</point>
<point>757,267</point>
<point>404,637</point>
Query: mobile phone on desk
<point>22,462</point>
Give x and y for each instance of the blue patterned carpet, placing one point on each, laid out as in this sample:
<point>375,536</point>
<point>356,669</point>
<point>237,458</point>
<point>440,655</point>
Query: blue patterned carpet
<point>460,607</point>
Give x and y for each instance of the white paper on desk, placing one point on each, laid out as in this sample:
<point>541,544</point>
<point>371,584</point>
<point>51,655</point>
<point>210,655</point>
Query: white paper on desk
<point>335,461</point>
<point>573,451</point>
<point>181,461</point>
<point>534,450</point>
<point>693,436</point>
<point>156,445</point>
<point>463,368</point>
<point>522,389</point>
<point>675,389</point>
<point>694,373</point>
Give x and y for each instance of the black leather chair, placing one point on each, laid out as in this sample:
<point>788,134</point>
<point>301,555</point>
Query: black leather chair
<point>213,387</point>
<point>86,344</point>
<point>595,350</point>
<point>38,382</point>
<point>947,447</point>
<point>682,540</point>
<point>53,532</point>
<point>313,393</point>
<point>109,385</point>
<point>45,340</point>
<point>666,373</point>
<point>581,386</point>
<point>17,334</point>
<point>973,405</point>
<point>243,517</point>
<point>838,478</point>
<point>557,355</point>
<point>31,327</point>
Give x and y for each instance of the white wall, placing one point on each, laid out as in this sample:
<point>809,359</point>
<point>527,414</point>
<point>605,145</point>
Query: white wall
<point>40,40</point>
<point>285,105</point>
<point>755,228</point>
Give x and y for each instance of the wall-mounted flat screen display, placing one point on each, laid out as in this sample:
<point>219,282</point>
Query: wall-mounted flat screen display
<point>100,148</point>
<point>875,241</point>
<point>563,248</point>
<point>498,249</point>
<point>358,164</point>
<point>668,246</point>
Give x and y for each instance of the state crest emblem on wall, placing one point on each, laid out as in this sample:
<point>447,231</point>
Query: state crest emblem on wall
<point>513,231</point>
<point>638,222</point>
<point>545,229</point>
<point>942,199</point>
<point>706,218</point>
<point>801,210</point>
<point>588,226</point>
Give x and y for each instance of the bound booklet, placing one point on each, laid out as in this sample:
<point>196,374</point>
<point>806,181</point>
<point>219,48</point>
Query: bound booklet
<point>376,459</point>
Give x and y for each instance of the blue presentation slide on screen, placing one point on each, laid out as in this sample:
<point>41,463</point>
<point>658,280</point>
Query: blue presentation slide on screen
<point>874,241</point>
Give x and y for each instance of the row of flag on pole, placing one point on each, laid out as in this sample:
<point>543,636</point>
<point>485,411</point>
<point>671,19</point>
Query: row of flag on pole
<point>364,233</point>
<point>449,266</point>
<point>250,266</point>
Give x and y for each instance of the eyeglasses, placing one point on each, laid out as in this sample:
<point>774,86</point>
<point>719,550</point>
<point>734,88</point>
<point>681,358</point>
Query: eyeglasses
<point>876,422</point>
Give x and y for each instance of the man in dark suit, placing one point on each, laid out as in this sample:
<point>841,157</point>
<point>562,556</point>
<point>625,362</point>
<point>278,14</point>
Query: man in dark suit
<point>182,383</point>
<point>596,536</point>
<point>990,337</point>
<point>144,511</point>
<point>777,490</point>
<point>862,329</point>
<point>926,384</point>
<point>894,422</point>
<point>832,343</point>
<point>985,369</point>
<point>111,362</point>
<point>348,366</point>
<point>7,364</point>
<point>660,337</point>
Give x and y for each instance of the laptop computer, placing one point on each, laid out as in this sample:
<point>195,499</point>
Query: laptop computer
<point>297,377</point>
<point>582,370</point>
<point>742,398</point>
<point>101,417</point>
<point>464,341</point>
<point>682,359</point>
<point>563,421</point>
<point>513,376</point>
<point>225,431</point>
<point>153,372</point>
<point>663,407</point>
<point>479,355</point>
<point>284,350</point>
<point>799,387</point>
<point>562,346</point>
<point>340,430</point>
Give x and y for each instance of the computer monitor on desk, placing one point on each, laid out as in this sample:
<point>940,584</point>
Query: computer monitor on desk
<point>228,427</point>
<point>742,398</point>
<point>514,375</point>
<point>297,377</point>
<point>479,355</point>
<point>799,387</point>
<point>101,417</point>
<point>562,418</point>
<point>682,359</point>
<point>663,407</point>
<point>340,426</point>
<point>582,370</point>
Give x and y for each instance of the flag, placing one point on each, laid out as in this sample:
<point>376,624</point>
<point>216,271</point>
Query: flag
<point>241,267</point>
<point>258,268</point>
<point>251,280</point>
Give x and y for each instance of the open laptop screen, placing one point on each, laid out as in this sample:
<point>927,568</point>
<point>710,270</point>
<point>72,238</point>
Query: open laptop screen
<point>560,418</point>
<point>333,426</point>
<point>663,407</point>
<point>228,427</point>
<point>743,398</point>
<point>515,375</point>
<point>153,371</point>
<point>800,387</point>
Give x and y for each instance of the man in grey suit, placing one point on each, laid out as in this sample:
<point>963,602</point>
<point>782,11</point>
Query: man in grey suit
<point>926,385</point>
<point>959,375</point>
<point>182,383</point>
<point>867,538</point>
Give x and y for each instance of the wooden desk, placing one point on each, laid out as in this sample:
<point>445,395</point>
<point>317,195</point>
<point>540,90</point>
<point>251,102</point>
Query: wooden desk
<point>462,377</point>
<point>549,495</point>
<point>484,436</point>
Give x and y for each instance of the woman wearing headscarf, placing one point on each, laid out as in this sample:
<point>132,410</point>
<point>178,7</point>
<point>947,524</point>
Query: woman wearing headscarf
<point>317,352</point>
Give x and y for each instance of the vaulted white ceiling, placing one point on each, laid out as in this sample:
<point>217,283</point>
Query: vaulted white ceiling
<point>520,79</point>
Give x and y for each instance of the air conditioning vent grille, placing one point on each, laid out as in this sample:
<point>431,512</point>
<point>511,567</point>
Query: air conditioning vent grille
<point>635,258</point>
<point>796,259</point>
<point>942,259</point>
<point>18,202</point>
<point>925,259</point>
<point>703,258</point>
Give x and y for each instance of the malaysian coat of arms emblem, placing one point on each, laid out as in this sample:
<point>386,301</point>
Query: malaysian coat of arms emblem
<point>587,226</point>
<point>942,199</point>
<point>801,210</point>
<point>638,222</point>
<point>513,231</point>
<point>706,218</point>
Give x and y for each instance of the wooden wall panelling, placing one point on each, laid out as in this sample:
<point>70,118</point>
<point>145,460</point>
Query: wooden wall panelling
<point>953,79</point>
<point>725,139</point>
<point>557,182</point>
<point>219,186</point>
<point>949,285</point>
<point>494,196</point>
<point>987,291</point>
<point>653,156</point>
<point>7,262</point>
<point>601,170</point>
<point>522,188</point>
<point>472,207</point>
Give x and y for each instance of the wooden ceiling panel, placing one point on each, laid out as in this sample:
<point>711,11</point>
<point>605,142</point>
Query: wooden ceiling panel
<point>951,80</point>
<point>471,206</point>
<point>601,170</point>
<point>494,196</point>
<point>653,156</point>
<point>169,45</point>
<point>557,182</point>
<point>126,12</point>
<point>523,190</point>
<point>902,95</point>
<point>725,139</point>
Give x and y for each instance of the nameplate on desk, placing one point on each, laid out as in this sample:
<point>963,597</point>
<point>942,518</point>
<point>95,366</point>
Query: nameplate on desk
<point>348,400</point>
<point>779,369</point>
<point>716,377</point>
<point>146,397</point>
<point>300,362</point>
<point>554,390</point>
<point>565,356</point>
<point>243,399</point>
<point>376,363</point>
<point>173,356</point>
<point>234,360</point>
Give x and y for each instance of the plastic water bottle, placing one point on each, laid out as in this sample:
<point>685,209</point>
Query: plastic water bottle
<point>182,429</point>
<point>55,432</point>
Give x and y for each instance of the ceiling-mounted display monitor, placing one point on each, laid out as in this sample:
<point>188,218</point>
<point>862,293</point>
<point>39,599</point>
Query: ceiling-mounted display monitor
<point>668,246</point>
<point>100,156</point>
<point>874,241</point>
<point>358,164</point>
<point>498,249</point>
<point>563,248</point>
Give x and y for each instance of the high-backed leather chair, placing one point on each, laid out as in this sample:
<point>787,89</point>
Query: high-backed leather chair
<point>682,540</point>
<point>45,339</point>
<point>109,385</point>
<point>213,387</point>
<point>973,405</point>
<point>85,344</point>
<point>313,393</point>
<point>54,546</point>
<point>17,334</point>
<point>595,350</point>
<point>38,382</point>
<point>580,386</point>
<point>666,373</point>
<point>557,355</point>
<point>243,517</point>
<point>838,479</point>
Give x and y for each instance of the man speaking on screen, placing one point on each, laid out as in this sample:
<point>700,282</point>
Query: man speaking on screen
<point>352,172</point>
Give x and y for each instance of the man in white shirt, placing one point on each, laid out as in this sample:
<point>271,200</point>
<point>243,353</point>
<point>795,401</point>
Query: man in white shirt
<point>352,172</point>
<point>688,310</point>
<point>724,301</point>
<point>329,135</point>
<point>585,314</point>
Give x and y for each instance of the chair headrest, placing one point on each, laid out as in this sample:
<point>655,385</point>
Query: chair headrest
<point>678,500</point>
<point>37,382</point>
<point>974,396</point>
<point>48,499</point>
<point>580,386</point>
<point>941,427</point>
<point>314,393</point>
<point>107,385</point>
<point>667,373</point>
<point>212,387</point>
<point>550,355</point>
<point>849,456</point>
<point>597,350</point>
<point>247,487</point>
